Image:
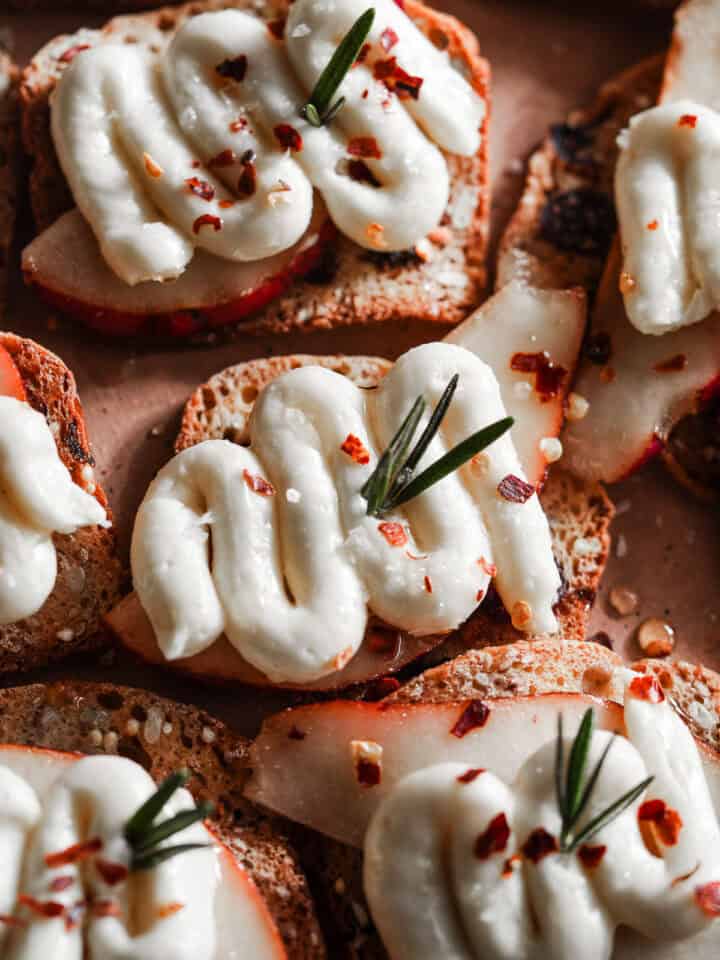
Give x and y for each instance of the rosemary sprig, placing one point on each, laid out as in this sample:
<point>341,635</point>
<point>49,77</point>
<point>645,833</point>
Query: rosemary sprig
<point>318,110</point>
<point>392,482</point>
<point>144,835</point>
<point>574,792</point>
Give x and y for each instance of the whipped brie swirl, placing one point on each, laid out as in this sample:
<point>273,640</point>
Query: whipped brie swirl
<point>37,498</point>
<point>296,561</point>
<point>203,146</point>
<point>450,871</point>
<point>667,189</point>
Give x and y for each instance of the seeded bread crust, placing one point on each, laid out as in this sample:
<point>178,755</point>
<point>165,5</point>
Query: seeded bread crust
<point>351,286</point>
<point>9,166</point>
<point>164,736</point>
<point>90,576</point>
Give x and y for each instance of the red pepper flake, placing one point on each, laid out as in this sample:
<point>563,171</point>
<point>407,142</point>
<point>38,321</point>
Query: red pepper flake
<point>237,125</point>
<point>412,556</point>
<point>471,774</point>
<point>479,595</point>
<point>653,225</point>
<point>647,688</point>
<point>296,733</point>
<point>226,204</point>
<point>364,51</point>
<point>673,364</point>
<point>428,584</point>
<point>12,921</point>
<point>489,568</point>
<point>247,184</point>
<point>365,94</point>
<point>258,484</point>
<point>494,839</point>
<point>152,168</point>
<point>394,533</point>
<point>539,845</point>
<point>43,908</point>
<point>73,854</point>
<point>368,773</point>
<point>364,147</point>
<point>707,897</point>
<point>688,120</point>
<point>514,489</point>
<point>112,873</point>
<point>277,28</point>
<point>355,449</point>
<point>685,876</point>
<point>226,158</point>
<point>360,172</point>
<point>72,52</point>
<point>61,883</point>
<point>169,909</point>
<point>666,821</point>
<point>384,640</point>
<point>548,375</point>
<point>288,137</point>
<point>388,39</point>
<point>591,856</point>
<point>396,79</point>
<point>106,908</point>
<point>207,220</point>
<point>201,188</point>
<point>234,69</point>
<point>474,715</point>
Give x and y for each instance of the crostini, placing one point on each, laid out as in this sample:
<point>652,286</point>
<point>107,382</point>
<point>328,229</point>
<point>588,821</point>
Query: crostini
<point>59,570</point>
<point>290,606</point>
<point>106,854</point>
<point>249,178</point>
<point>565,809</point>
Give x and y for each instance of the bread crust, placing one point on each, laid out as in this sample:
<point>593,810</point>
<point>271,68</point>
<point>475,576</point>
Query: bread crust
<point>164,736</point>
<point>352,285</point>
<point>90,575</point>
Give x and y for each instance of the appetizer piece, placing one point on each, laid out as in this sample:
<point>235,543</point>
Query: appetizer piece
<point>59,572</point>
<point>249,137</point>
<point>313,532</point>
<point>109,854</point>
<point>519,826</point>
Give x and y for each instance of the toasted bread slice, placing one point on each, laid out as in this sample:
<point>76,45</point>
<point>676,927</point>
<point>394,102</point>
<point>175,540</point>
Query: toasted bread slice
<point>579,518</point>
<point>9,165</point>
<point>164,736</point>
<point>335,870</point>
<point>90,575</point>
<point>351,286</point>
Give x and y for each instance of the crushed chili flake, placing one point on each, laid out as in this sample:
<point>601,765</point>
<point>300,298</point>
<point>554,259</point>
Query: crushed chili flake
<point>688,120</point>
<point>226,158</point>
<point>61,883</point>
<point>207,220</point>
<point>277,27</point>
<point>479,595</point>
<point>388,39</point>
<point>247,184</point>
<point>539,845</point>
<point>489,568</point>
<point>364,51</point>
<point>288,137</point>
<point>368,773</point>
<point>201,188</point>
<point>111,873</point>
<point>591,856</point>
<point>355,449</point>
<point>72,52</point>
<point>474,715</point>
<point>296,733</point>
<point>360,172</point>
<point>548,375</point>
<point>258,484</point>
<point>105,908</point>
<point>514,489</point>
<point>647,688</point>
<point>237,125</point>
<point>653,225</point>
<point>364,147</point>
<point>686,876</point>
<point>152,168</point>
<point>428,584</point>
<point>394,533</point>
<point>226,204</point>
<point>509,865</point>
<point>168,909</point>
<point>73,854</point>
<point>673,364</point>
<point>365,94</point>
<point>367,758</point>
<point>707,897</point>
<point>413,556</point>
<point>494,839</point>
<point>472,774</point>
<point>11,921</point>
<point>195,164</point>
<point>43,908</point>
<point>667,821</point>
<point>396,79</point>
<point>233,69</point>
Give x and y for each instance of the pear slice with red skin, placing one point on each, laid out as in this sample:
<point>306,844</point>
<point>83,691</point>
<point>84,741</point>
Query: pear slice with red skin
<point>304,764</point>
<point>11,384</point>
<point>643,387</point>
<point>520,326</point>
<point>517,319</point>
<point>64,263</point>
<point>246,922</point>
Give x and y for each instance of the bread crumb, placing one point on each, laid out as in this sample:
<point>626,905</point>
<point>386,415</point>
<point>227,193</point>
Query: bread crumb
<point>95,737</point>
<point>110,742</point>
<point>577,406</point>
<point>521,614</point>
<point>656,637</point>
<point>621,548</point>
<point>207,735</point>
<point>551,448</point>
<point>586,546</point>
<point>65,635</point>
<point>624,601</point>
<point>132,727</point>
<point>153,725</point>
